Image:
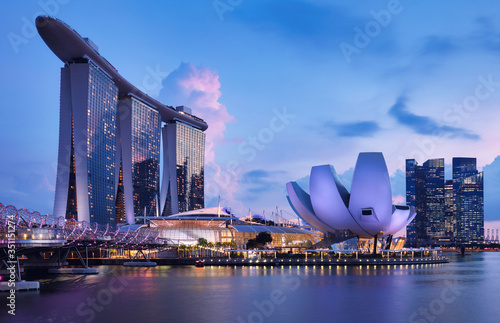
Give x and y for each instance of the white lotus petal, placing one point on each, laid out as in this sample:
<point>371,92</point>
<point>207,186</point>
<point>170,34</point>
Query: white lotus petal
<point>400,215</point>
<point>371,199</point>
<point>329,199</point>
<point>300,202</point>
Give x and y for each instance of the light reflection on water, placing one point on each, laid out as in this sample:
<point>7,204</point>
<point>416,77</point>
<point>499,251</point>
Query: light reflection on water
<point>464,290</point>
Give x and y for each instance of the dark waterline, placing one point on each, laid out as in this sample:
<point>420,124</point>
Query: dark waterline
<point>465,290</point>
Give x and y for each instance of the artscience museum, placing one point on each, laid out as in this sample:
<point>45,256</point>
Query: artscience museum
<point>366,212</point>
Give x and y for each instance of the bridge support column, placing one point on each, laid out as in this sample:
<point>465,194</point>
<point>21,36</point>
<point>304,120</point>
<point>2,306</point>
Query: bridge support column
<point>13,270</point>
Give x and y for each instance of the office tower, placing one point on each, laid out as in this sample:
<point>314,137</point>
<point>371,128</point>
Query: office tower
<point>411,229</point>
<point>182,187</point>
<point>425,192</point>
<point>434,199</point>
<point>446,211</point>
<point>109,140</point>
<point>449,220</point>
<point>463,168</point>
<point>470,207</point>
<point>140,130</point>
<point>85,185</point>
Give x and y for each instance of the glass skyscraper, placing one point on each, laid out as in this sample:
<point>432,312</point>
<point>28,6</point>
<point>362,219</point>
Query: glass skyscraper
<point>411,229</point>
<point>425,192</point>
<point>451,210</point>
<point>140,131</point>
<point>434,198</point>
<point>109,140</point>
<point>449,219</point>
<point>85,186</point>
<point>470,205</point>
<point>469,214</point>
<point>183,185</point>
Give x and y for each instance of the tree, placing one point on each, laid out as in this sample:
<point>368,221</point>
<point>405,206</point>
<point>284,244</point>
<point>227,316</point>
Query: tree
<point>202,242</point>
<point>260,240</point>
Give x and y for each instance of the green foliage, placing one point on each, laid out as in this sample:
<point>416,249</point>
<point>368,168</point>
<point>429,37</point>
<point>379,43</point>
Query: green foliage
<point>202,242</point>
<point>260,241</point>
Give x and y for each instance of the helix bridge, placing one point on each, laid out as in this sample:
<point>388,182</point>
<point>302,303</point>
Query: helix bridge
<point>33,236</point>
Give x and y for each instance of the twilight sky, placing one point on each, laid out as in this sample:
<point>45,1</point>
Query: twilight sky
<point>284,85</point>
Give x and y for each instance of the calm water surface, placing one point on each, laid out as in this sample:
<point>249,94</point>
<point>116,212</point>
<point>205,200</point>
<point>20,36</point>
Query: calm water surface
<point>465,290</point>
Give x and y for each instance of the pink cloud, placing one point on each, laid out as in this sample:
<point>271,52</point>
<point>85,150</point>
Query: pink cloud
<point>198,88</point>
<point>398,200</point>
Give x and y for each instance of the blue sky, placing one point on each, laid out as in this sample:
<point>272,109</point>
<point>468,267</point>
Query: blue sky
<point>285,85</point>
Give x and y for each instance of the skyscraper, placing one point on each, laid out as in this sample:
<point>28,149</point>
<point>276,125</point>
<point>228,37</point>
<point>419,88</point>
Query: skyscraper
<point>182,187</point>
<point>425,192</point>
<point>470,207</point>
<point>465,167</point>
<point>449,210</point>
<point>434,198</point>
<point>139,157</point>
<point>85,186</point>
<point>109,140</point>
<point>449,219</point>
<point>411,186</point>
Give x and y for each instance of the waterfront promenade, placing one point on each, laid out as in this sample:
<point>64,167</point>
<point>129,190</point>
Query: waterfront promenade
<point>225,261</point>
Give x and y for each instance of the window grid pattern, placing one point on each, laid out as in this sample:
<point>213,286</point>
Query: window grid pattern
<point>101,145</point>
<point>190,148</point>
<point>146,132</point>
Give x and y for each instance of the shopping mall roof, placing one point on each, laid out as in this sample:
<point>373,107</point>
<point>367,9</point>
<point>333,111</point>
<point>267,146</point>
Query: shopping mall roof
<point>270,229</point>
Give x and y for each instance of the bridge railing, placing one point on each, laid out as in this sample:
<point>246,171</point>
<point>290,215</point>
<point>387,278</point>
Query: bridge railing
<point>34,226</point>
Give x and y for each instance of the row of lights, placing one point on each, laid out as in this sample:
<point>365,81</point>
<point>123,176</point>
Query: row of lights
<point>337,260</point>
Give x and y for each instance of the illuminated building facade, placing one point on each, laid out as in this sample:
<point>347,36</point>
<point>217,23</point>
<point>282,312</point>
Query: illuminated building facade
<point>139,127</point>
<point>447,211</point>
<point>183,175</point>
<point>425,191</point>
<point>220,226</point>
<point>109,140</point>
<point>449,219</point>
<point>470,207</point>
<point>85,186</point>
<point>468,200</point>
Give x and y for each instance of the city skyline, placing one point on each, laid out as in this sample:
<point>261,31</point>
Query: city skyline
<point>263,118</point>
<point>448,211</point>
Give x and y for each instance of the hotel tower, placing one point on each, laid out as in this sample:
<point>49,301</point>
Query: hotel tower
<point>110,137</point>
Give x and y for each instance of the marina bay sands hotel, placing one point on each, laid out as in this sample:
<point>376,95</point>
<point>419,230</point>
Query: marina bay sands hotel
<point>110,138</point>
